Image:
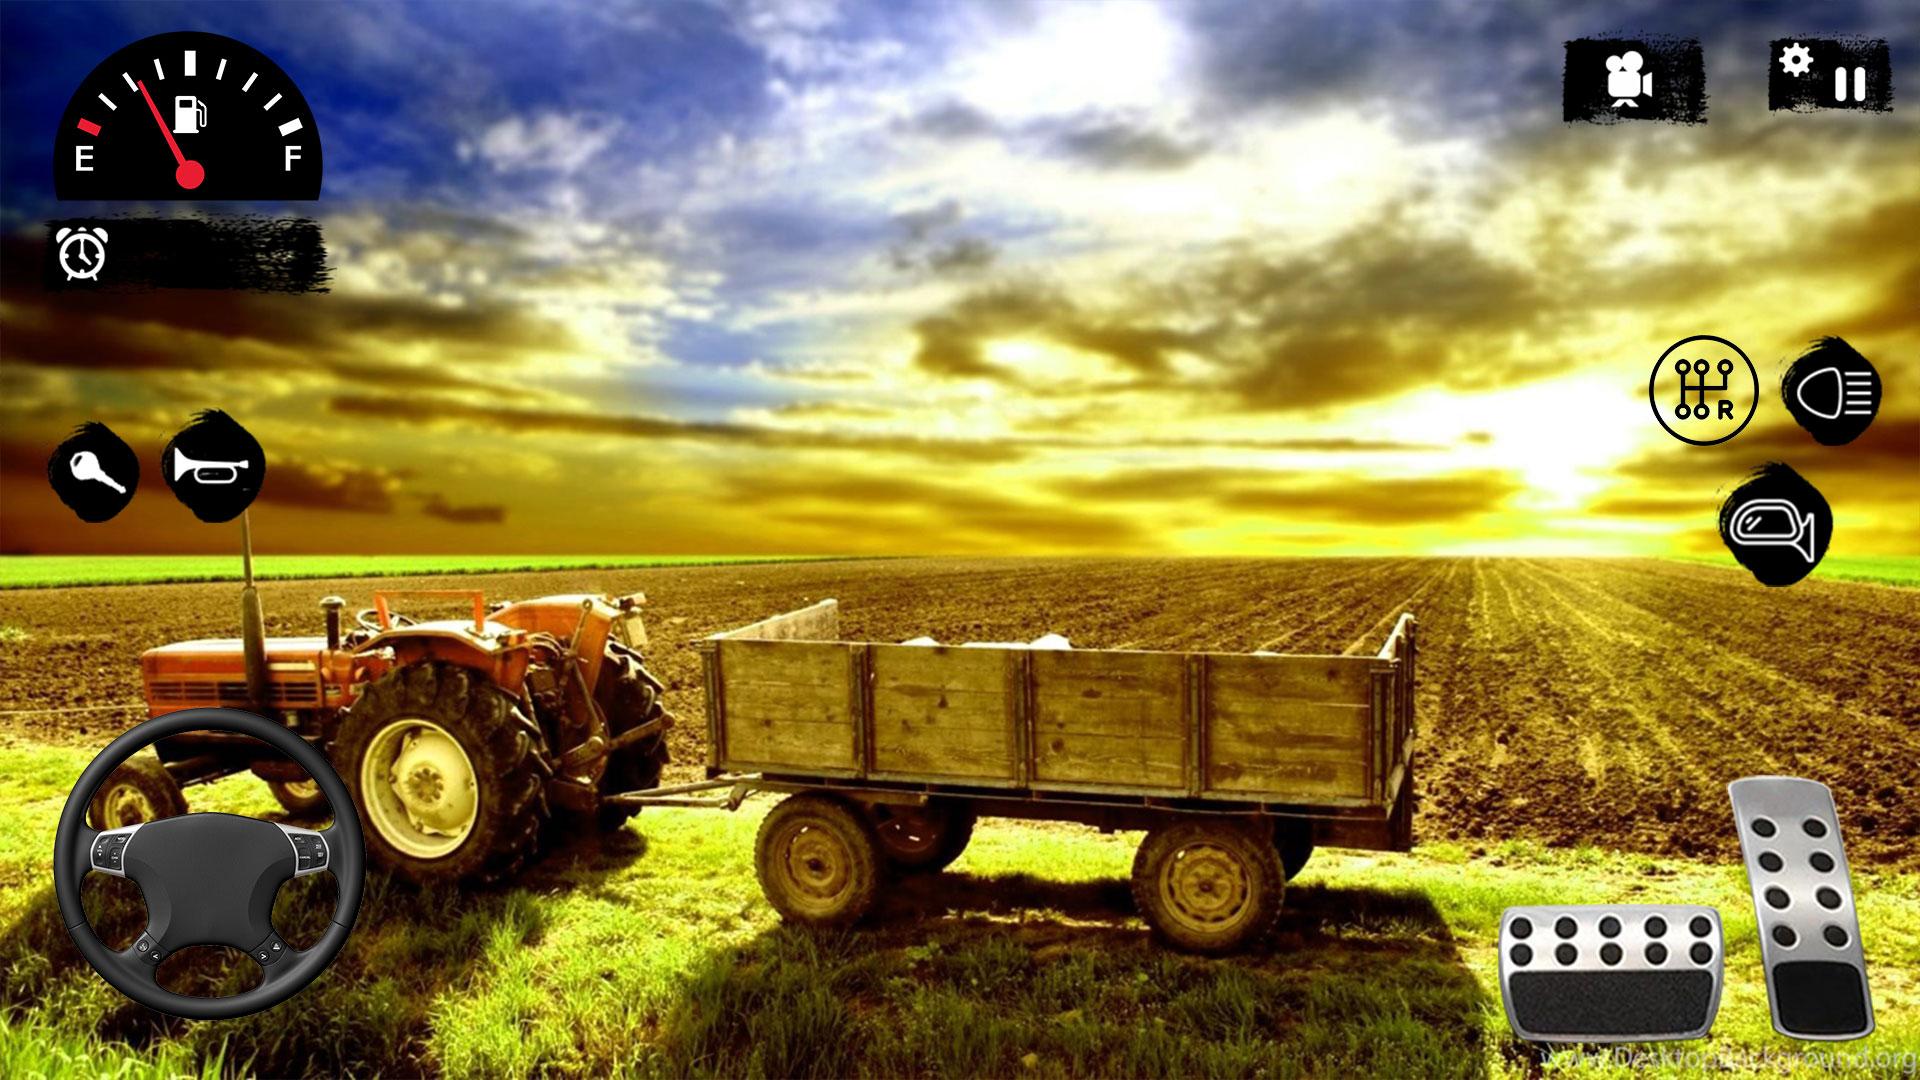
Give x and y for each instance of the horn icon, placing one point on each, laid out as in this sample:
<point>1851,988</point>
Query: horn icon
<point>206,472</point>
<point>1751,526</point>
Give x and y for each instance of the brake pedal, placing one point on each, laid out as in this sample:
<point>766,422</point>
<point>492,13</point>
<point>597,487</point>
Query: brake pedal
<point>1611,972</point>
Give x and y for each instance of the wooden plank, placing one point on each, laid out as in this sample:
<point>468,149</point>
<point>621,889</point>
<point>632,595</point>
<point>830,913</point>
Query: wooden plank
<point>817,622</point>
<point>787,704</point>
<point>1303,726</point>
<point>1114,718</point>
<point>1309,678</point>
<point>1289,727</point>
<point>1289,779</point>
<point>945,712</point>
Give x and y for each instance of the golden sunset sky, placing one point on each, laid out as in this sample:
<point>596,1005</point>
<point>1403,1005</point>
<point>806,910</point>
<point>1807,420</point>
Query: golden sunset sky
<point>1059,277</point>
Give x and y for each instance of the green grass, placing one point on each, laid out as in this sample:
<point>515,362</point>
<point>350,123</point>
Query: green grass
<point>1901,570</point>
<point>651,953</point>
<point>43,571</point>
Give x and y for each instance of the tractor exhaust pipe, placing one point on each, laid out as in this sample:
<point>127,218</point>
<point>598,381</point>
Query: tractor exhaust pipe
<point>332,605</point>
<point>253,630</point>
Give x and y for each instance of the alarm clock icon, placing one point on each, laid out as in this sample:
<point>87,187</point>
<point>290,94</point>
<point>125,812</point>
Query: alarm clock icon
<point>82,251</point>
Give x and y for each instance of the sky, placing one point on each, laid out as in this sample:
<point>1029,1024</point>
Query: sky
<point>1021,278</point>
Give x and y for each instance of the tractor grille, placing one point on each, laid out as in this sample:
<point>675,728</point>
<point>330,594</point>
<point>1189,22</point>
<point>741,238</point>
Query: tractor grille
<point>230,692</point>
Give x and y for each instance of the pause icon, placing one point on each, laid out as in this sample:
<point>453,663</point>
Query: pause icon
<point>1859,84</point>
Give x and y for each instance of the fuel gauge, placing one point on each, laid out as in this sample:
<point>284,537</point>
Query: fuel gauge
<point>187,115</point>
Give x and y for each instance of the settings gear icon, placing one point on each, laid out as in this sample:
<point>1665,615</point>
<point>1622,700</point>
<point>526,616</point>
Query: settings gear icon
<point>1795,59</point>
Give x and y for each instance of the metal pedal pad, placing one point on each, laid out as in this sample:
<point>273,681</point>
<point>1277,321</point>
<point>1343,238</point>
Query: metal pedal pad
<point>1611,972</point>
<point>1803,898</point>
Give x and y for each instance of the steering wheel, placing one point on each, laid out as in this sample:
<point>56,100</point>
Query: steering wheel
<point>369,619</point>
<point>209,879</point>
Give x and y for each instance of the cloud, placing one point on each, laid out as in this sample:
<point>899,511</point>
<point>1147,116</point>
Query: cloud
<point>1118,144</point>
<point>549,142</point>
<point>948,120</point>
<point>950,343</point>
<point>921,249</point>
<point>1360,501</point>
<point>939,517</point>
<point>358,489</point>
<point>478,514</point>
<point>448,412</point>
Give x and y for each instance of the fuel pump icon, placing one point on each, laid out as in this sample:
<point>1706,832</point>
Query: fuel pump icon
<point>189,115</point>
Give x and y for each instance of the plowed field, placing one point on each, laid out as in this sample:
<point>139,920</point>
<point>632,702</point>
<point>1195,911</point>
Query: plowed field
<point>1605,702</point>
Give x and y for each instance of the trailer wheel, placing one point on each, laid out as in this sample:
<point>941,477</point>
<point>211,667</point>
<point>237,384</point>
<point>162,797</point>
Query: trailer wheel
<point>300,798</point>
<point>630,696</point>
<point>923,839</point>
<point>446,774</point>
<point>139,791</point>
<point>818,861</point>
<point>1294,841</point>
<point>1208,886</point>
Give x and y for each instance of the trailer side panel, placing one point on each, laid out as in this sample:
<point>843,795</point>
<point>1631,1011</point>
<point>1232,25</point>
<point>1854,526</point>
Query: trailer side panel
<point>788,705</point>
<point>1289,728</point>
<point>1113,720</point>
<point>945,713</point>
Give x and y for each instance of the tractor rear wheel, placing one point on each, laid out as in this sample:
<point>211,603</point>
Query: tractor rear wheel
<point>923,839</point>
<point>139,791</point>
<point>818,862</point>
<point>447,773</point>
<point>1209,886</point>
<point>630,697</point>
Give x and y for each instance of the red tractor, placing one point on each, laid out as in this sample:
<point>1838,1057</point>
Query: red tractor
<point>461,739</point>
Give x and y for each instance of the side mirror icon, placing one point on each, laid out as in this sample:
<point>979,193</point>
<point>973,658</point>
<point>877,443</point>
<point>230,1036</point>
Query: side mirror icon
<point>1774,523</point>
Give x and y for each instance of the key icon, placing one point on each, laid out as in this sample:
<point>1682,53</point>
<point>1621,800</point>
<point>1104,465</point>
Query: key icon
<point>85,466</point>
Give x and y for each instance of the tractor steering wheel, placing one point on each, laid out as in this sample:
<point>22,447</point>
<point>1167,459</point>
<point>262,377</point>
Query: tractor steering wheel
<point>209,879</point>
<point>369,619</point>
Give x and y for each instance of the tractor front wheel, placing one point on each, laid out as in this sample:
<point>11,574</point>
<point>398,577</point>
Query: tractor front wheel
<point>1209,886</point>
<point>139,791</point>
<point>446,773</point>
<point>629,696</point>
<point>818,861</point>
<point>300,798</point>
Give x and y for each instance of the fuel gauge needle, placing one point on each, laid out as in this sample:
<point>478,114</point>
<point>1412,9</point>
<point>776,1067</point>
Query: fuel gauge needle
<point>188,174</point>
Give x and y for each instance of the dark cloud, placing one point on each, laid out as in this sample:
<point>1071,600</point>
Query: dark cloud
<point>449,412</point>
<point>1381,502</point>
<point>478,514</point>
<point>1889,449</point>
<point>922,249</point>
<point>920,224</point>
<point>349,337</point>
<point>965,255</point>
<point>938,517</point>
<point>1117,144</point>
<point>359,489</point>
<point>948,120</point>
<point>1702,506</point>
<point>950,343</point>
<point>1312,496</point>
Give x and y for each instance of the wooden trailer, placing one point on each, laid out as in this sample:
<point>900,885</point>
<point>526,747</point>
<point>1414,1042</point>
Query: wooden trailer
<point>1236,764</point>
